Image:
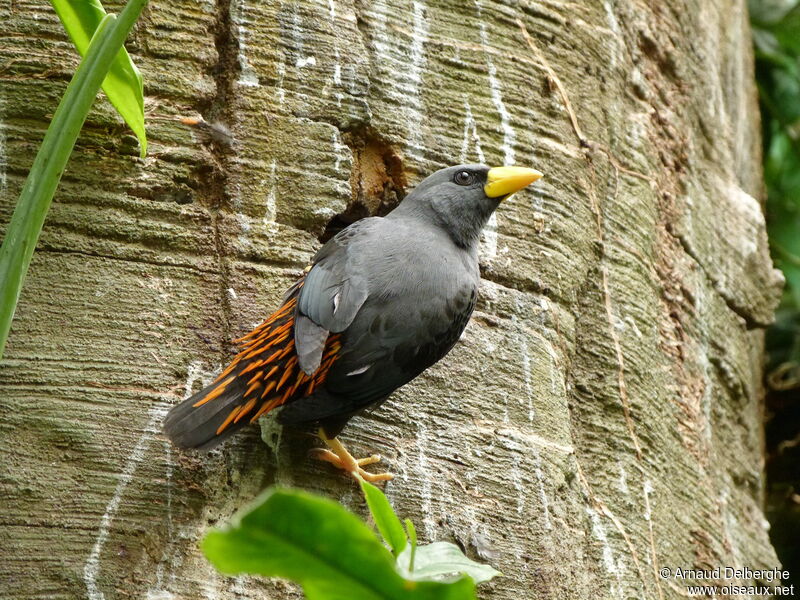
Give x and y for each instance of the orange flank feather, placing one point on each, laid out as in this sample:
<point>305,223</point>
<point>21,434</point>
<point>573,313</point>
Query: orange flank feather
<point>267,389</point>
<point>267,367</point>
<point>246,409</point>
<point>230,418</point>
<point>215,392</point>
<point>285,376</point>
<point>252,389</point>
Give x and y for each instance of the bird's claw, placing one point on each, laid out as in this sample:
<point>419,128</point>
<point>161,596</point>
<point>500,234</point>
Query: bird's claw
<point>375,458</point>
<point>352,465</point>
<point>374,477</point>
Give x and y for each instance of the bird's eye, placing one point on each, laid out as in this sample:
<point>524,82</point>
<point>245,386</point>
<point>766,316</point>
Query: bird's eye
<point>463,178</point>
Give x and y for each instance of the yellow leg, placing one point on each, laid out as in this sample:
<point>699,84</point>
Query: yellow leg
<point>341,458</point>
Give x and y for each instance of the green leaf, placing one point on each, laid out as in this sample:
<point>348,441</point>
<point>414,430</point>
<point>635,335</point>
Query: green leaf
<point>320,545</point>
<point>443,561</point>
<point>412,536</point>
<point>123,83</point>
<point>385,518</point>
<point>51,159</point>
<point>768,12</point>
<point>782,174</point>
<point>786,29</point>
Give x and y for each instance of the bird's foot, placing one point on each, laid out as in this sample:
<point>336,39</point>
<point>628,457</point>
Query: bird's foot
<point>341,458</point>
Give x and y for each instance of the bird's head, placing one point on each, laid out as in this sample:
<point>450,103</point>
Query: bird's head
<point>461,199</point>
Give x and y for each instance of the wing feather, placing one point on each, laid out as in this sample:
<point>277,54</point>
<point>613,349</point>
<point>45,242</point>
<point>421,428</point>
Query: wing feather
<point>333,293</point>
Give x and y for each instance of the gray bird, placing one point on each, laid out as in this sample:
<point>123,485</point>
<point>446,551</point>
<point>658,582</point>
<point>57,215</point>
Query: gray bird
<point>381,302</point>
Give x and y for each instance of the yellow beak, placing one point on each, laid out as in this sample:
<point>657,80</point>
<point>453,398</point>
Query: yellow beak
<point>501,182</point>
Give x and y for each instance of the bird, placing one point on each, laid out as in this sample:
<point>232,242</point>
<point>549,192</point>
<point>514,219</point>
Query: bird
<point>380,302</point>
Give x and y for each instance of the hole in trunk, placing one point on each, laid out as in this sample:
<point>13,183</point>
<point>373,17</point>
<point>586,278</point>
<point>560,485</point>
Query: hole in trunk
<point>377,180</point>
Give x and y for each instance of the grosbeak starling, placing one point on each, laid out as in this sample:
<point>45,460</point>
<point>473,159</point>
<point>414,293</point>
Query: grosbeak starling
<point>381,302</point>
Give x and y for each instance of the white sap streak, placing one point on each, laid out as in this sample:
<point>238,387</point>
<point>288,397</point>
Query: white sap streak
<point>525,439</point>
<point>707,400</point>
<point>613,566</point>
<point>296,39</point>
<point>168,474</point>
<point>516,481</point>
<point>308,61</point>
<point>272,436</point>
<point>556,369</point>
<point>92,567</point>
<point>537,464</point>
<point>401,61</point>
<point>599,532</point>
<point>279,85</point>
<point>272,205</point>
<point>526,375</point>
<point>487,251</point>
<point>479,534</point>
<point>468,121</point>
<point>647,489</point>
<point>470,136</point>
<point>238,586</point>
<point>426,492</point>
<point>730,527</point>
<point>324,211</point>
<point>509,136</point>
<point>168,560</point>
<point>338,150</point>
<point>155,417</point>
<point>341,153</point>
<point>381,35</point>
<point>294,33</point>
<point>637,129</point>
<point>623,480</point>
<point>243,221</point>
<point>337,67</point>
<point>505,118</point>
<point>3,148</point>
<point>211,588</point>
<point>613,24</point>
<point>418,38</point>
<point>749,210</point>
<point>247,74</point>
<point>490,231</point>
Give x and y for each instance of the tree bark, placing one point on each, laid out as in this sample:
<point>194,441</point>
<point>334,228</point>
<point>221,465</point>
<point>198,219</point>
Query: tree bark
<point>600,420</point>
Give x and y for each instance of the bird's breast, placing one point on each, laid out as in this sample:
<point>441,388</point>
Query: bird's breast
<point>420,265</point>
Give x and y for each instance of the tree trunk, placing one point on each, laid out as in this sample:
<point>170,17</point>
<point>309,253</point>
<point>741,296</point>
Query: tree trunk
<point>602,417</point>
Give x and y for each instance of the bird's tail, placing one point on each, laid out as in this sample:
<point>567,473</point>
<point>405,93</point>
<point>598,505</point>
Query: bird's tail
<point>262,376</point>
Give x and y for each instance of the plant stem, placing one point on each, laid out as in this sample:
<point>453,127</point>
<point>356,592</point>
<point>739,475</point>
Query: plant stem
<point>34,201</point>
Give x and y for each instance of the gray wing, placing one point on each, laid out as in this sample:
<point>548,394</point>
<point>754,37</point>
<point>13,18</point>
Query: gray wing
<point>333,292</point>
<point>389,344</point>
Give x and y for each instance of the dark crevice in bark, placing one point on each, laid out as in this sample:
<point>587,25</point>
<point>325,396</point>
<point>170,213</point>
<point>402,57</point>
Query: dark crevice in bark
<point>219,113</point>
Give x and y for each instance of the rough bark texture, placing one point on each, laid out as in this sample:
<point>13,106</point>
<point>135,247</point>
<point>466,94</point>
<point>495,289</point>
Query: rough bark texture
<point>600,419</point>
